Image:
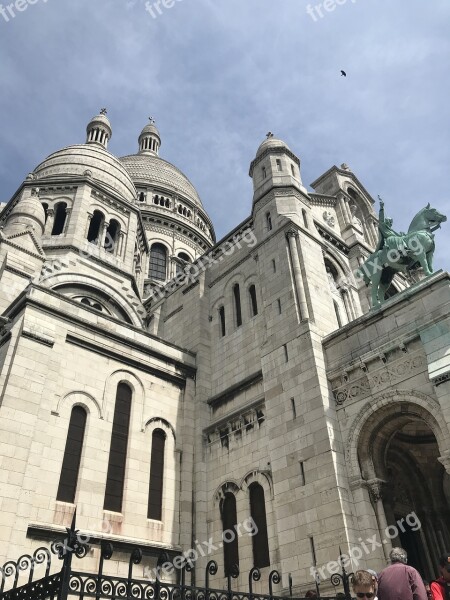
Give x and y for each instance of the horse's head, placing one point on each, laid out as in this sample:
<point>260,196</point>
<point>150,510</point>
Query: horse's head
<point>433,216</point>
<point>427,218</point>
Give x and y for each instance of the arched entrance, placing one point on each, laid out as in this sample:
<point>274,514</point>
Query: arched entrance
<point>398,454</point>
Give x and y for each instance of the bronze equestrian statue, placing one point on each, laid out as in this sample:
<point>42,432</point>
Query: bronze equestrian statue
<point>400,251</point>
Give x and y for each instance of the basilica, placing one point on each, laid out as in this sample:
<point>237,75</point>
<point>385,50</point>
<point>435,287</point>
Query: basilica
<point>171,387</point>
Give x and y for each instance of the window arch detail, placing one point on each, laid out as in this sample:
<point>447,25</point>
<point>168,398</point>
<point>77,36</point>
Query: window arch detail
<point>59,218</point>
<point>72,456</point>
<point>260,539</point>
<point>118,449</point>
<point>237,304</point>
<point>95,226</point>
<point>253,300</point>
<point>228,514</point>
<point>158,262</point>
<point>155,494</point>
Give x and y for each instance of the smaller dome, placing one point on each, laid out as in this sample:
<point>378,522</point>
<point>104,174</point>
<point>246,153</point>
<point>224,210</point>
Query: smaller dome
<point>150,140</point>
<point>271,142</point>
<point>99,130</point>
<point>150,129</point>
<point>27,213</point>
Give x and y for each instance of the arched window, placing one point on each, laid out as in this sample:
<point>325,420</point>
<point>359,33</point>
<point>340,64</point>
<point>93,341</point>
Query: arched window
<point>72,456</point>
<point>118,450</point>
<point>95,227</point>
<point>264,172</point>
<point>258,513</point>
<point>222,320</point>
<point>60,218</point>
<point>253,301</point>
<point>237,304</point>
<point>269,222</point>
<point>158,262</point>
<point>230,538</point>
<point>155,493</point>
<point>185,258</point>
<point>112,236</point>
<point>142,197</point>
<point>45,207</point>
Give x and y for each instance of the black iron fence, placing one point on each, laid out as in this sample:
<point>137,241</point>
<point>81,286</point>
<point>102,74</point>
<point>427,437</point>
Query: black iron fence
<point>17,578</point>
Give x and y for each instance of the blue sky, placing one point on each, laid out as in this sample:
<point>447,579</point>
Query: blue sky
<point>217,75</point>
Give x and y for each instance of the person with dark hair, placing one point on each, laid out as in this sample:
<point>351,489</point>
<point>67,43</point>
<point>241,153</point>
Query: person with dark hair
<point>440,589</point>
<point>399,581</point>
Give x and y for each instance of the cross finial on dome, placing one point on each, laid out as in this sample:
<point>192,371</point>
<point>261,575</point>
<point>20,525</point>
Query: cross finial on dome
<point>269,135</point>
<point>103,111</point>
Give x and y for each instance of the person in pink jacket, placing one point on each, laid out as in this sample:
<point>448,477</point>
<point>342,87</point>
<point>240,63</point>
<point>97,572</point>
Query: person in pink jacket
<point>399,581</point>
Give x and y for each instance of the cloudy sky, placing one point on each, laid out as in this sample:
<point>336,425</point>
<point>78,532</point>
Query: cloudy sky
<point>217,75</point>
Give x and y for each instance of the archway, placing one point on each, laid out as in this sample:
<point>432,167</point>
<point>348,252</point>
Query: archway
<point>398,449</point>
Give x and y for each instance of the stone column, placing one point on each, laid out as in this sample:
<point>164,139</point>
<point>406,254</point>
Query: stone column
<point>376,494</point>
<point>298,278</point>
<point>344,210</point>
<point>102,234</point>
<point>120,244</point>
<point>50,221</point>
<point>66,222</point>
<point>88,224</point>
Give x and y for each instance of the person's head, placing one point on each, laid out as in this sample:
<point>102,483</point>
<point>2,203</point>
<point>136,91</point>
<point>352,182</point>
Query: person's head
<point>389,222</point>
<point>398,555</point>
<point>364,584</point>
<point>311,594</point>
<point>444,567</point>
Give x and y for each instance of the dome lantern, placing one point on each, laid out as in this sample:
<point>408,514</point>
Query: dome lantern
<point>99,130</point>
<point>149,140</point>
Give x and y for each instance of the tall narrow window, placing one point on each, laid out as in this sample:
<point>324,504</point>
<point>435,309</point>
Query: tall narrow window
<point>258,513</point>
<point>293,170</point>
<point>95,227</point>
<point>230,538</point>
<point>72,456</point>
<point>112,236</point>
<point>294,408</point>
<point>269,222</point>
<point>302,473</point>
<point>60,218</point>
<point>142,197</point>
<point>279,167</point>
<point>253,300</point>
<point>118,450</point>
<point>237,304</point>
<point>264,172</point>
<point>222,321</point>
<point>155,493</point>
<point>158,262</point>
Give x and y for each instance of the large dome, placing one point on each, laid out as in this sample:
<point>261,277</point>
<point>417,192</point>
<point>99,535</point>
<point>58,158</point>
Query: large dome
<point>150,169</point>
<point>90,159</point>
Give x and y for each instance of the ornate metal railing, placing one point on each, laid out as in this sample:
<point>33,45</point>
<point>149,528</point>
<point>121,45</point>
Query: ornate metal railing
<point>17,579</point>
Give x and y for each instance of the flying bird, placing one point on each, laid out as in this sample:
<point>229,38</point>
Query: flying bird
<point>343,73</point>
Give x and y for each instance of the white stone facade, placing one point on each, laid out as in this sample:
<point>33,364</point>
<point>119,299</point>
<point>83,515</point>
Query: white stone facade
<point>297,387</point>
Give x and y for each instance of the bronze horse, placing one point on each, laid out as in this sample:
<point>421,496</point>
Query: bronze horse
<point>402,252</point>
